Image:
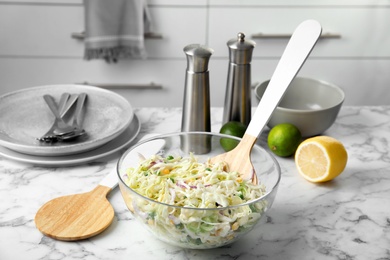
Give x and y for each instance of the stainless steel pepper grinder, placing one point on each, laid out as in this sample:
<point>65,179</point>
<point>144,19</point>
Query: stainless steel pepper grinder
<point>238,89</point>
<point>196,102</point>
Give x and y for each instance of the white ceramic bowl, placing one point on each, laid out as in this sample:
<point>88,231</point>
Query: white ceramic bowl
<point>309,104</point>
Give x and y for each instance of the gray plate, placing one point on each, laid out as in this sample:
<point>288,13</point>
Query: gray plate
<point>24,116</point>
<point>120,142</point>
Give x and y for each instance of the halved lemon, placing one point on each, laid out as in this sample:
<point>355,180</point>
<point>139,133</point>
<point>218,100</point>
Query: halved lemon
<point>321,158</point>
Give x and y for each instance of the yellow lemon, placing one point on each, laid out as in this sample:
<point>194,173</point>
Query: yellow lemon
<point>321,158</point>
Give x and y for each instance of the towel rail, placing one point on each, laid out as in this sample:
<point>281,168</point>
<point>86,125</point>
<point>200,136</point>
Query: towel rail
<point>286,36</point>
<point>149,86</point>
<point>150,35</point>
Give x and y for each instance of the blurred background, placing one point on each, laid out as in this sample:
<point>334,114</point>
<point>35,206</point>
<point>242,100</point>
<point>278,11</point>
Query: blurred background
<point>41,43</point>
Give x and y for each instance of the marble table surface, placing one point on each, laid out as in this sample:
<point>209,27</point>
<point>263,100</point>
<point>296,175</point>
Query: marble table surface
<point>347,218</point>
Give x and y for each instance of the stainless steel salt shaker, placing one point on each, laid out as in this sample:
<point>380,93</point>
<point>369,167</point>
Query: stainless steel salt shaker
<point>238,89</point>
<point>196,102</point>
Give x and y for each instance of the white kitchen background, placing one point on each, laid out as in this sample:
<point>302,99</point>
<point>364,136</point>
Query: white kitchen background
<point>39,46</point>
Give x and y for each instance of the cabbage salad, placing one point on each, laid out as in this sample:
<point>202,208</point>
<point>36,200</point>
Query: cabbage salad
<point>202,191</point>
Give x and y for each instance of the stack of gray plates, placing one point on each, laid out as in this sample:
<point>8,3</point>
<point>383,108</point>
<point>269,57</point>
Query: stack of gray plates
<point>109,121</point>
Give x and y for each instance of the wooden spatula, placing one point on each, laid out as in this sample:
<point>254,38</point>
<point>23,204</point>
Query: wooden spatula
<point>80,216</point>
<point>298,48</point>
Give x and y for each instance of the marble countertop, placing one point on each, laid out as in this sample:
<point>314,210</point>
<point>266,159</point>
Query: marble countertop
<point>347,218</point>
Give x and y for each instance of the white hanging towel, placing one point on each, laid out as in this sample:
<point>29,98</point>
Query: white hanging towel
<point>114,29</point>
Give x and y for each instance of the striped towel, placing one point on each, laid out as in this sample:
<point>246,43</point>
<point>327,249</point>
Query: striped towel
<point>114,29</point>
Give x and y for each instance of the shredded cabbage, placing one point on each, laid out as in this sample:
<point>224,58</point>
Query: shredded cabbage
<point>194,185</point>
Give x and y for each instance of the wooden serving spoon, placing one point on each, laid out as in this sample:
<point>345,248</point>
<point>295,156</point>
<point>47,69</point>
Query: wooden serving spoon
<point>298,48</point>
<point>80,216</point>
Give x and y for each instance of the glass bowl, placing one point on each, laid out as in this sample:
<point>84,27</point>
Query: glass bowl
<point>193,227</point>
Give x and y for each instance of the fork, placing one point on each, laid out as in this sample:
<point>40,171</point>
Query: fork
<point>62,126</point>
<point>65,104</point>
<point>76,120</point>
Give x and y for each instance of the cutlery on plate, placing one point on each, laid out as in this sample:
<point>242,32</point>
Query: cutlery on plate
<point>76,120</point>
<point>62,126</point>
<point>66,102</point>
<point>298,48</point>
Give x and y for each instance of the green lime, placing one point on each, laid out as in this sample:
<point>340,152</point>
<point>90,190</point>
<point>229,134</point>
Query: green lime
<point>233,128</point>
<point>283,139</point>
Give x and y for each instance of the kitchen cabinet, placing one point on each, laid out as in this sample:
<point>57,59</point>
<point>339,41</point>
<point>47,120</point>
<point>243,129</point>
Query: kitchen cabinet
<point>35,36</point>
<point>353,53</point>
<point>36,47</point>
